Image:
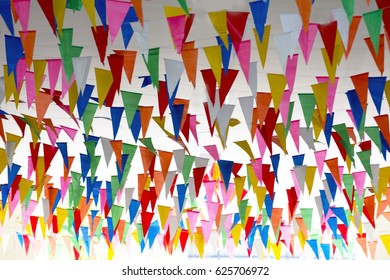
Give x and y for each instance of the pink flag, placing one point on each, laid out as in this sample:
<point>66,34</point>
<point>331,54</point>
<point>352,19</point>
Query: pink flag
<point>306,40</point>
<point>295,131</point>
<point>284,105</point>
<point>320,158</point>
<point>192,218</point>
<point>291,70</point>
<point>359,178</point>
<point>21,69</point>
<point>213,151</point>
<point>30,88</point>
<point>54,67</point>
<point>116,13</point>
<point>177,27</point>
<point>22,8</point>
<point>243,51</point>
<point>65,182</point>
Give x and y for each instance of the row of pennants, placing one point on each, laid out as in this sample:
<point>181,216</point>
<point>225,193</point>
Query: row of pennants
<point>81,210</point>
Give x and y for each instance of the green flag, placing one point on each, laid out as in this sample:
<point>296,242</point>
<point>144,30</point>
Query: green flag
<point>88,116</point>
<point>187,167</point>
<point>152,63</point>
<point>130,102</point>
<point>373,22</point>
<point>308,102</point>
<point>67,51</point>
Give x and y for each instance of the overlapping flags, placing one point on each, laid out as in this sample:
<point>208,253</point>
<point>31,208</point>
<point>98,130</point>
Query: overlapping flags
<point>118,167</point>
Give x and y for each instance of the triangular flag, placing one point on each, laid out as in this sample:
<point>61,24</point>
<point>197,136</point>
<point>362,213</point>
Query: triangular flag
<point>262,46</point>
<point>81,69</point>
<point>379,56</point>
<point>104,80</point>
<point>5,12</point>
<point>214,57</point>
<point>145,114</point>
<point>174,69</point>
<point>353,27</point>
<point>376,86</point>
<point>100,35</point>
<point>373,22</point>
<point>116,12</point>
<point>308,103</point>
<point>243,51</point>
<point>152,64</point>
<point>304,7</point>
<point>219,21</point>
<point>177,26</point>
<point>277,83</point>
<point>189,56</point>
<point>28,42</point>
<point>306,40</point>
<point>259,11</point>
<point>236,22</point>
<point>328,33</point>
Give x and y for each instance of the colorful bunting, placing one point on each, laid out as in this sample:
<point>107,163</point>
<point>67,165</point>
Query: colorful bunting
<point>270,195</point>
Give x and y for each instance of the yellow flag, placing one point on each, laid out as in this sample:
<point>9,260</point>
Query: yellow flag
<point>214,57</point>
<point>340,54</point>
<point>39,72</point>
<point>73,96</point>
<point>111,252</point>
<point>260,195</point>
<point>279,129</point>
<point>386,242</point>
<point>277,84</point>
<point>89,6</point>
<point>317,124</point>
<point>43,226</point>
<point>321,95</point>
<point>24,188</point>
<point>199,242</point>
<point>13,138</point>
<point>9,85</point>
<point>277,249</point>
<point>384,176</point>
<point>252,175</point>
<point>302,239</point>
<point>3,163</point>
<point>171,11</point>
<point>245,146</point>
<point>310,173</point>
<point>59,7</point>
<point>262,47</point>
<point>239,186</point>
<point>62,214</point>
<point>331,66</point>
<point>236,233</point>
<point>103,82</point>
<point>177,237</point>
<point>163,212</point>
<point>3,211</point>
<point>218,19</point>
<point>216,172</point>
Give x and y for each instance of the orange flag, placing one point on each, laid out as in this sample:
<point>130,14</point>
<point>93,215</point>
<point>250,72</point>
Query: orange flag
<point>137,4</point>
<point>28,42</point>
<point>360,83</point>
<point>189,56</point>
<point>304,7</point>
<point>146,115</point>
<point>129,58</point>
<point>353,27</point>
<point>42,103</point>
<point>380,57</point>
